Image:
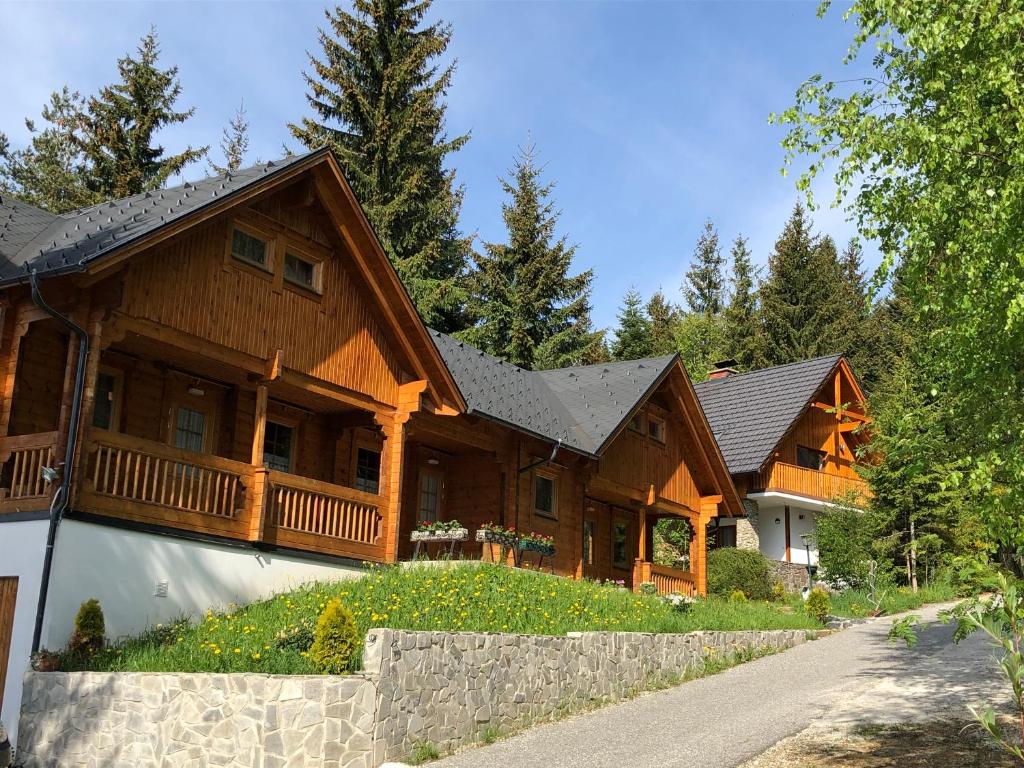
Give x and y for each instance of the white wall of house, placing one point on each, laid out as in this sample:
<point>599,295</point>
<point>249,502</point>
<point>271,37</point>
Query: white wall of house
<point>21,554</point>
<point>124,570</point>
<point>772,508</point>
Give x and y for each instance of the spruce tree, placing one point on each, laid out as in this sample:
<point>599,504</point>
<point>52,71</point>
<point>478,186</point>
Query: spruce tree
<point>664,319</point>
<point>798,297</point>
<point>121,124</point>
<point>744,338</point>
<point>234,142</point>
<point>377,94</point>
<point>531,312</point>
<point>704,284</point>
<point>633,336</point>
<point>50,171</point>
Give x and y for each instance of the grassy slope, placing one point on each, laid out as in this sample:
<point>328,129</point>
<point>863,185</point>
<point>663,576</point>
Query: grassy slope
<point>855,603</point>
<point>484,598</point>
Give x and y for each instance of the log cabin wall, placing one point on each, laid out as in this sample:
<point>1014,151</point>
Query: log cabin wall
<point>39,382</point>
<point>192,284</point>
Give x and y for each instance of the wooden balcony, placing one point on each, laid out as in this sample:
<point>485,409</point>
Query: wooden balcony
<point>149,482</point>
<point>801,481</point>
<point>24,458</point>
<point>667,581</point>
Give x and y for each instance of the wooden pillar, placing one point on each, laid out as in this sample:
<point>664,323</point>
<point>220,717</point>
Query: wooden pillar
<point>260,486</point>
<point>699,569</point>
<point>643,542</point>
<point>92,371</point>
<point>786,532</point>
<point>391,480</point>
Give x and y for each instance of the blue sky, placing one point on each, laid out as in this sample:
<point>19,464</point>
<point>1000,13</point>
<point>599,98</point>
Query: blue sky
<point>651,117</point>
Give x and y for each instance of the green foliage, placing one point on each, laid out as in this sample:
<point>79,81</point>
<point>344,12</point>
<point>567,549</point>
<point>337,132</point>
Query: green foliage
<point>423,752</point>
<point>971,574</point>
<point>477,598</point>
<point>672,541</point>
<point>633,335</point>
<point>700,339</point>
<point>704,286</point>
<point>778,592</point>
<point>102,147</point>
<point>335,639</point>
<point>234,142</point>
<point>926,155</point>
<point>664,320</point>
<point>743,335</point>
<point>855,603</point>
<point>737,596</point>
<point>377,93</point>
<point>90,629</point>
<point>746,570</point>
<point>818,605</point>
<point>844,536</point>
<point>531,312</point>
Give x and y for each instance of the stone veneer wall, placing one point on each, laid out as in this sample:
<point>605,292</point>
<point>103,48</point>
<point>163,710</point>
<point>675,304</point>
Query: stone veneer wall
<point>748,528</point>
<point>445,688</point>
<point>792,575</point>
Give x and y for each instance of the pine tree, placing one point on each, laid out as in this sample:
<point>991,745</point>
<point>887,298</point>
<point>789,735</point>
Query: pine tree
<point>50,171</point>
<point>122,121</point>
<point>531,312</point>
<point>704,285</point>
<point>664,318</point>
<point>377,94</point>
<point>798,308</point>
<point>744,338</point>
<point>633,336</point>
<point>234,142</point>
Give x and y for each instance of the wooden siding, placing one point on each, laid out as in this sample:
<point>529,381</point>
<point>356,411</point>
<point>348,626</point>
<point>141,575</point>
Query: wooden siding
<point>40,379</point>
<point>190,285</point>
<point>816,429</point>
<point>8,598</point>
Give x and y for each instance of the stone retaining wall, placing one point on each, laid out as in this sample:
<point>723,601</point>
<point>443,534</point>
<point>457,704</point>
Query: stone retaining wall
<point>443,688</point>
<point>792,575</point>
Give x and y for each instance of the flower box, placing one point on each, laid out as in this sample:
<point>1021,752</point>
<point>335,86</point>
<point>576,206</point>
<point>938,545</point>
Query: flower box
<point>485,536</point>
<point>456,534</point>
<point>526,545</point>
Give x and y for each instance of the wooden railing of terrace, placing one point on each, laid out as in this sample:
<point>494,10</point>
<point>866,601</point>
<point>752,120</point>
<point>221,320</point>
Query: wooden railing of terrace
<point>311,514</point>
<point>789,478</point>
<point>667,581</point>
<point>25,456</point>
<point>150,482</point>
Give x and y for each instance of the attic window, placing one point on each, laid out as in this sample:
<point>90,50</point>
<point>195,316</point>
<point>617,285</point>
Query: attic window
<point>301,271</point>
<point>656,429</point>
<point>250,249</point>
<point>637,423</point>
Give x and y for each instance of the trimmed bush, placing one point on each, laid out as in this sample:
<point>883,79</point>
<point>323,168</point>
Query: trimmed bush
<point>738,596</point>
<point>90,628</point>
<point>818,605</point>
<point>746,570</point>
<point>335,639</point>
<point>778,592</point>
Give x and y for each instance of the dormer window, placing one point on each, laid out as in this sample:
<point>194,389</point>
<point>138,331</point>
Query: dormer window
<point>251,249</point>
<point>656,429</point>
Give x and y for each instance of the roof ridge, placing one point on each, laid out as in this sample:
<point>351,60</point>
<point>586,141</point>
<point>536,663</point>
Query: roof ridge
<point>734,376</point>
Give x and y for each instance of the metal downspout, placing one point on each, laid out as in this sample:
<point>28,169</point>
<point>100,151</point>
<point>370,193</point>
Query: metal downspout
<point>60,498</point>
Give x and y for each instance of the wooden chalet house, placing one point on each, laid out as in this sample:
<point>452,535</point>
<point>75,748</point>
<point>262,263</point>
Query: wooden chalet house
<point>260,405</point>
<point>790,436</point>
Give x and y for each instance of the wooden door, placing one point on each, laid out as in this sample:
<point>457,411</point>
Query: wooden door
<point>8,594</point>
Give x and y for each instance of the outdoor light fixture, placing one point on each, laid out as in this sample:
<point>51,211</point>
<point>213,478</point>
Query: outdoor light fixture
<point>433,462</point>
<point>49,474</point>
<point>777,521</point>
<point>196,390</point>
<point>806,538</point>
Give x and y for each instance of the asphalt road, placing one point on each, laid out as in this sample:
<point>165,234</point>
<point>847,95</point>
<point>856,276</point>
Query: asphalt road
<point>726,719</point>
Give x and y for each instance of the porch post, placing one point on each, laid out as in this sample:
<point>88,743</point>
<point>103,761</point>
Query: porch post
<point>394,449</point>
<point>699,568</point>
<point>94,328</point>
<point>258,497</point>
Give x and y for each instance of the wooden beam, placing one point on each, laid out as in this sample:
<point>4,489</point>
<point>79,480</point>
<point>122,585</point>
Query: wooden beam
<point>259,429</point>
<point>275,366</point>
<point>842,412</point>
<point>642,544</point>
<point>786,516</point>
<point>257,501</point>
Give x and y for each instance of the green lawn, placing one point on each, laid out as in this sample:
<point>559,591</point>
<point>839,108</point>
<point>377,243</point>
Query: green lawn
<point>479,597</point>
<point>854,603</point>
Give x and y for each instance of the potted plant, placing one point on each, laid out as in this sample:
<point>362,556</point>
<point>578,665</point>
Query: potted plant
<point>438,530</point>
<point>493,533</point>
<point>537,542</point>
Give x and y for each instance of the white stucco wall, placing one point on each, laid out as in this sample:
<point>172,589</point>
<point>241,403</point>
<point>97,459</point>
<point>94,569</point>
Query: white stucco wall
<point>773,535</point>
<point>123,568</point>
<point>21,554</point>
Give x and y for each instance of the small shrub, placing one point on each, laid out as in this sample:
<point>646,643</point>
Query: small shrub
<point>778,592</point>
<point>737,596</point>
<point>844,545</point>
<point>90,629</point>
<point>747,570</point>
<point>335,639</point>
<point>423,752</point>
<point>818,604</point>
<point>648,588</point>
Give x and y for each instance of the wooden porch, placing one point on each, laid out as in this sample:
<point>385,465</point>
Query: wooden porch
<point>667,581</point>
<point>815,484</point>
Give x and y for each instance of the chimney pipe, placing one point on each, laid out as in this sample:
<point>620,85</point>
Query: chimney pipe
<point>722,369</point>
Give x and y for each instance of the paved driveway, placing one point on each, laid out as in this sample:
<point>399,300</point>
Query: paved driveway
<point>726,719</point>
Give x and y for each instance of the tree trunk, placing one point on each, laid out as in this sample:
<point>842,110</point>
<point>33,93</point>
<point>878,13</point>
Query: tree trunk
<point>912,557</point>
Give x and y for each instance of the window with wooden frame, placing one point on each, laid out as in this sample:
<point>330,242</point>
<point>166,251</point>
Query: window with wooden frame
<point>810,458</point>
<point>251,247</point>
<point>367,474</point>
<point>545,495</point>
<point>106,413</point>
<point>636,424</point>
<point>620,544</point>
<point>302,271</point>
<point>279,446</point>
<point>656,428</point>
<point>430,497</point>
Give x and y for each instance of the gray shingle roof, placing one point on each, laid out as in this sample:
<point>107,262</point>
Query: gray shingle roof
<point>751,412</point>
<point>580,406</point>
<point>32,239</point>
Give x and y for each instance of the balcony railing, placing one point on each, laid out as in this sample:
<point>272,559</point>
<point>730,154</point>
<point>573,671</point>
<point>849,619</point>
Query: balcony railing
<point>24,457</point>
<point>789,478</point>
<point>667,581</point>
